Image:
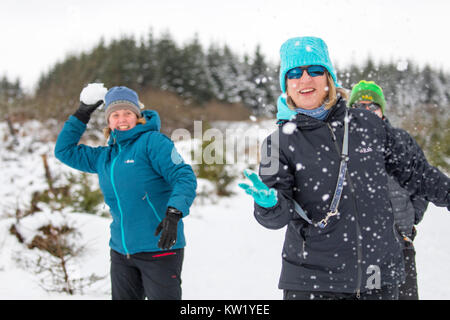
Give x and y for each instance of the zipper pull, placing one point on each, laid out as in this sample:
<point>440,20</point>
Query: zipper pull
<point>113,136</point>
<point>304,254</point>
<point>332,132</point>
<point>128,256</point>
<point>358,294</point>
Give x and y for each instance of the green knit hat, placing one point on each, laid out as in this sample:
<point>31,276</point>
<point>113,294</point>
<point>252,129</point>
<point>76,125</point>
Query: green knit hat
<point>369,91</point>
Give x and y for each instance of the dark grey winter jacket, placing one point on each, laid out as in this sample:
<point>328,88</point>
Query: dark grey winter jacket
<point>408,209</point>
<point>360,241</point>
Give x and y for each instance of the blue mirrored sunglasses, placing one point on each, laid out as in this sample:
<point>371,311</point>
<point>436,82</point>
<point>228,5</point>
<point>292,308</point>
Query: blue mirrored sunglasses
<point>313,71</point>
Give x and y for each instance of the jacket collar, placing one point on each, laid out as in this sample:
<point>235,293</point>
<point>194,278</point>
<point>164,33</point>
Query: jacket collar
<point>283,111</point>
<point>284,114</point>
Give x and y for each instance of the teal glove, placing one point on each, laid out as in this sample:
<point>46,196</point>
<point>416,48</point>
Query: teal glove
<point>263,196</point>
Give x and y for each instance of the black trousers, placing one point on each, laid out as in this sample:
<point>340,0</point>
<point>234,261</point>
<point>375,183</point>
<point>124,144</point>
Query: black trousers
<point>408,290</point>
<point>151,275</point>
<point>385,293</point>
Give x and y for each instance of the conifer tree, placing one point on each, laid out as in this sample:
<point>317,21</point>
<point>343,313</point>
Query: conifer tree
<point>167,56</point>
<point>193,73</point>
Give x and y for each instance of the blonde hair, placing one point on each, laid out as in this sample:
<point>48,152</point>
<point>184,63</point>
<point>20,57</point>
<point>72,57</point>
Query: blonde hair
<point>330,99</point>
<point>107,130</point>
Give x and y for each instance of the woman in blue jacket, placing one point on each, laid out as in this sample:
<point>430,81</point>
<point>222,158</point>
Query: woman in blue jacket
<point>148,188</point>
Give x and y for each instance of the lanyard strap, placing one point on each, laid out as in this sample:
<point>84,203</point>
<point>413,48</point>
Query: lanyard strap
<point>333,211</point>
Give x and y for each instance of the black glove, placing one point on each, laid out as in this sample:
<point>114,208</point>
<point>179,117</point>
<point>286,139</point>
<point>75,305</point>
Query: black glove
<point>85,110</point>
<point>169,226</point>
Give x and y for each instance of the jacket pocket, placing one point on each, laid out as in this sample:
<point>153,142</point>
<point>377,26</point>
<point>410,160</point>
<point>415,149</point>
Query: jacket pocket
<point>304,232</point>
<point>296,241</point>
<point>152,207</point>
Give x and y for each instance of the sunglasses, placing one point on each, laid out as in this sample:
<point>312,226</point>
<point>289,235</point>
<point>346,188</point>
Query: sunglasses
<point>313,71</point>
<point>368,106</point>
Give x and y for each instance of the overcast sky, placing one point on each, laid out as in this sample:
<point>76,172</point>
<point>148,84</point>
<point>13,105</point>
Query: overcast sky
<point>37,33</point>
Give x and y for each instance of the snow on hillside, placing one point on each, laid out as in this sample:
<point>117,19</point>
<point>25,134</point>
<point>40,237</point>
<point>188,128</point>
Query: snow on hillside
<point>228,254</point>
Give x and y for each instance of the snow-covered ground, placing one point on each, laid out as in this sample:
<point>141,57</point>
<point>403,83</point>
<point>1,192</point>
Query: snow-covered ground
<point>228,254</point>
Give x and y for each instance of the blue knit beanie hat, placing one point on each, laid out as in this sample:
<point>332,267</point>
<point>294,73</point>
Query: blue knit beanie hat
<point>304,51</point>
<point>118,98</point>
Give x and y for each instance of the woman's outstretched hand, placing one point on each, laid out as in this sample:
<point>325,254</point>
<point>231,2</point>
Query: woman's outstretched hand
<point>264,196</point>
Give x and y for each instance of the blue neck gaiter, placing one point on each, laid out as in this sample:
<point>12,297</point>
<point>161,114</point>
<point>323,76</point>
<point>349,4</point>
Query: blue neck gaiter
<point>318,113</point>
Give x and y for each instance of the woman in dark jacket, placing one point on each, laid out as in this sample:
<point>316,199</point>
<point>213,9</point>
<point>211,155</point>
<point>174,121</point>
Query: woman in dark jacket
<point>331,190</point>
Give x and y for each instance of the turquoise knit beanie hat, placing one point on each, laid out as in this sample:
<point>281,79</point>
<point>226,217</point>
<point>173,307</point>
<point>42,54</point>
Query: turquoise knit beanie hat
<point>304,51</point>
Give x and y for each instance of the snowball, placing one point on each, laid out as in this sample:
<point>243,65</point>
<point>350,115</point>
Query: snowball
<point>289,128</point>
<point>252,118</point>
<point>402,65</point>
<point>92,93</point>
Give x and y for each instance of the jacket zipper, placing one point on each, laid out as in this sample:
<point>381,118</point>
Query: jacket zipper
<point>118,200</point>
<point>358,227</point>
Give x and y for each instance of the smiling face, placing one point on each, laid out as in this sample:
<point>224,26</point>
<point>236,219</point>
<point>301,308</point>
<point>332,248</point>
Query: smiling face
<point>122,120</point>
<point>308,92</point>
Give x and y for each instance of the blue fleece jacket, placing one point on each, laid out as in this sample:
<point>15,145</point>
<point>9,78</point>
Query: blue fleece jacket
<point>140,174</point>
